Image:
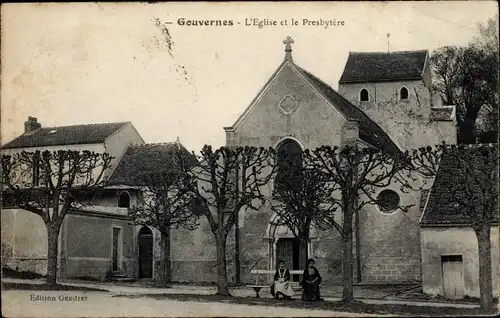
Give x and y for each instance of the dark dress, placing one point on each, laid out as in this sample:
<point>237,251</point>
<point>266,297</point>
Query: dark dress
<point>311,290</point>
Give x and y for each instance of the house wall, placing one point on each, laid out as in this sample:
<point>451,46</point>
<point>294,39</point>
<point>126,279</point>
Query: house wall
<point>84,243</point>
<point>193,254</point>
<point>118,142</point>
<point>24,241</point>
<point>406,121</point>
<point>87,244</point>
<point>438,241</point>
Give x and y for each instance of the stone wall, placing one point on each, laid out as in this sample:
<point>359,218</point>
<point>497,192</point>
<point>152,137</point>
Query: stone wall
<point>389,242</point>
<point>406,121</point>
<point>314,123</point>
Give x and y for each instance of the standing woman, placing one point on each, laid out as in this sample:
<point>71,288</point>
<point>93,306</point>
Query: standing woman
<point>282,282</point>
<point>310,282</point>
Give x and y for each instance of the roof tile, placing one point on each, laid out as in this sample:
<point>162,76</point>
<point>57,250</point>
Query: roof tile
<point>369,131</point>
<point>143,159</point>
<point>65,135</point>
<point>441,209</point>
<point>380,66</point>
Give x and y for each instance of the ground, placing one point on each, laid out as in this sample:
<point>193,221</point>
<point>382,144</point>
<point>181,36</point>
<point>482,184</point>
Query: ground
<point>19,298</point>
<point>100,304</point>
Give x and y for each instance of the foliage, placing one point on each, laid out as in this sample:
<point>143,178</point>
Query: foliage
<point>467,77</point>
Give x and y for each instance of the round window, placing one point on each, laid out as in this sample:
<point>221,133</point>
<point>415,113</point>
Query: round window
<point>388,201</point>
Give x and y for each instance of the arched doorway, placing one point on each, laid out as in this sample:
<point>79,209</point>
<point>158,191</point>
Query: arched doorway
<point>145,239</point>
<point>284,246</point>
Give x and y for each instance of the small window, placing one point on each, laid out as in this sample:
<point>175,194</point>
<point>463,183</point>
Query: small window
<point>388,201</point>
<point>363,95</point>
<point>124,200</point>
<point>403,93</point>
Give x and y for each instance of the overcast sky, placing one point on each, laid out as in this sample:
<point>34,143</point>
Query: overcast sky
<point>91,63</point>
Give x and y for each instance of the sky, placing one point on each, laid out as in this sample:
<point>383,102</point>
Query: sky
<point>81,63</point>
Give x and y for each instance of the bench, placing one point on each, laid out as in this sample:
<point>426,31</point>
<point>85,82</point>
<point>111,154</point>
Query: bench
<point>258,287</point>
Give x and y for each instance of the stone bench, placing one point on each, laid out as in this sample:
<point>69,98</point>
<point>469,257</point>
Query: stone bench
<point>257,287</point>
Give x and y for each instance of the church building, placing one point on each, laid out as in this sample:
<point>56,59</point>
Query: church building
<point>384,101</point>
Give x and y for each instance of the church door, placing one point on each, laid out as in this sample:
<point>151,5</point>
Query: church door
<point>288,252</point>
<point>145,253</point>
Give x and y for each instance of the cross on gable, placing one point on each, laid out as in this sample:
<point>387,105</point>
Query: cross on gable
<point>288,43</point>
<point>288,47</point>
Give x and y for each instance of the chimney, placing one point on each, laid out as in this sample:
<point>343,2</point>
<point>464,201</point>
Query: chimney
<point>31,125</point>
<point>350,133</point>
<point>230,136</point>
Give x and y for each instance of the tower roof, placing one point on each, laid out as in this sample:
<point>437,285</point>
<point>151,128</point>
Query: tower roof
<point>381,67</point>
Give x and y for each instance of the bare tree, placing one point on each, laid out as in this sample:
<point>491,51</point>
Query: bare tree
<point>302,198</point>
<point>49,184</point>
<point>230,180</point>
<point>355,175</point>
<point>167,202</point>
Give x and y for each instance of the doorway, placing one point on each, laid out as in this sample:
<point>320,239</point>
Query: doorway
<point>288,252</point>
<point>145,239</point>
<point>453,276</point>
<point>116,249</point>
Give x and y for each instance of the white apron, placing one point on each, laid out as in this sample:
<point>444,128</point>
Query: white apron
<point>281,286</point>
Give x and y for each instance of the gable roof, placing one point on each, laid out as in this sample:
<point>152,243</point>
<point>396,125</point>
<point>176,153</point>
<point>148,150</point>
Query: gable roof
<point>440,208</point>
<point>143,159</point>
<point>65,135</point>
<point>369,131</point>
<point>379,66</point>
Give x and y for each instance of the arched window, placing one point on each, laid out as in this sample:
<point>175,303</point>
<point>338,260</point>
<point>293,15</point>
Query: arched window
<point>289,165</point>
<point>403,93</point>
<point>124,200</point>
<point>363,95</point>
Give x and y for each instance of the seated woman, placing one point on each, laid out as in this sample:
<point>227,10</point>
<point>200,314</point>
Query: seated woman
<point>310,282</point>
<point>282,282</point>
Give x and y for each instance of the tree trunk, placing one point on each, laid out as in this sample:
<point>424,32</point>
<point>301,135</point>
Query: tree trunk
<point>303,255</point>
<point>52,253</point>
<point>222,285</point>
<point>347,268</point>
<point>358,247</point>
<point>165,263</point>
<point>237,249</point>
<point>467,130</point>
<point>485,275</point>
